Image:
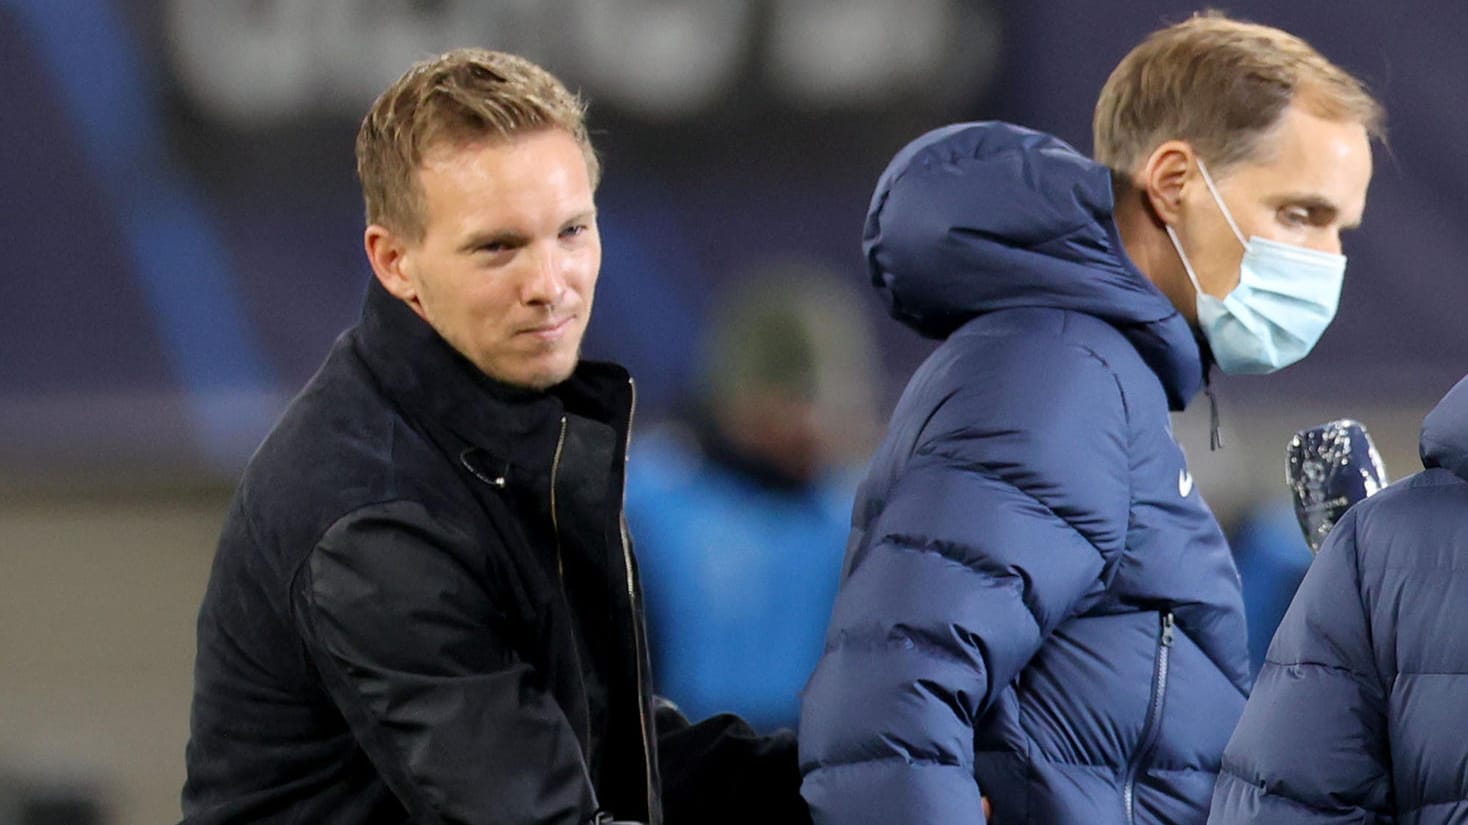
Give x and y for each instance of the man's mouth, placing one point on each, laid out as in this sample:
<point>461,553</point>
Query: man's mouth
<point>550,330</point>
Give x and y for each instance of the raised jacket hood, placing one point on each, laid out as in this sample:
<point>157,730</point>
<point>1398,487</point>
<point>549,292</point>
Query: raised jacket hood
<point>1445,432</point>
<point>978,217</point>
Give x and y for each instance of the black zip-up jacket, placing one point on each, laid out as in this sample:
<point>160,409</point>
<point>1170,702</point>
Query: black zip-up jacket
<point>424,608</point>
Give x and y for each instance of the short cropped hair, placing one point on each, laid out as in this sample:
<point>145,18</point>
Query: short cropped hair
<point>1221,85</point>
<point>459,97</point>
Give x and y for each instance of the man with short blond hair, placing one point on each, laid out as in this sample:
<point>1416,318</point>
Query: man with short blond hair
<point>1039,615</point>
<point>465,96</point>
<point>1222,85</point>
<point>424,605</point>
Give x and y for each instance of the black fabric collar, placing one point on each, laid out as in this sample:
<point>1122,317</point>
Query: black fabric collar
<point>437,388</point>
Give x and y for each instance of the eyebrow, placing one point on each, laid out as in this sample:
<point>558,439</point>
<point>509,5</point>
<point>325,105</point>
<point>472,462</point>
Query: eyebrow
<point>508,238</point>
<point>584,216</point>
<point>512,238</point>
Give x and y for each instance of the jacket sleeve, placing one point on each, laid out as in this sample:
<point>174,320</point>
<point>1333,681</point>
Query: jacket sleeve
<point>998,526</point>
<point>719,770</point>
<point>414,655</point>
<point>1312,745</point>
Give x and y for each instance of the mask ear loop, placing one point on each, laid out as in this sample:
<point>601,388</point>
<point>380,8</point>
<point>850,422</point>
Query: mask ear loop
<point>1218,199</point>
<point>1178,245</point>
<point>1215,428</point>
<point>1183,256</point>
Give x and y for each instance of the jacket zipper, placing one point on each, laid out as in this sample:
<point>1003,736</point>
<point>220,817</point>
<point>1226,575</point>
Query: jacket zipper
<point>1154,717</point>
<point>637,640</point>
<point>560,560</point>
<point>556,516</point>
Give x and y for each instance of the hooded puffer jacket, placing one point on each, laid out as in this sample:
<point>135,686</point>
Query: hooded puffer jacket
<point>1036,606</point>
<point>1361,710</point>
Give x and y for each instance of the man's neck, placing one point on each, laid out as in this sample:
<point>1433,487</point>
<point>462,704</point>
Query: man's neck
<point>1149,248</point>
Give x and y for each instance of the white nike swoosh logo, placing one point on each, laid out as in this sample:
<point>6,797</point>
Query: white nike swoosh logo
<point>1184,483</point>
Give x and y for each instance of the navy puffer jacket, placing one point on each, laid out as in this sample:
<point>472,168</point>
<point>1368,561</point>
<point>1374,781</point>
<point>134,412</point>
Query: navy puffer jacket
<point>1361,710</point>
<point>1036,604</point>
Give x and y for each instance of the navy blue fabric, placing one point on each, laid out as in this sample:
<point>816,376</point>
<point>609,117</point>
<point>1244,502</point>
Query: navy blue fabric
<point>1028,532</point>
<point>1361,710</point>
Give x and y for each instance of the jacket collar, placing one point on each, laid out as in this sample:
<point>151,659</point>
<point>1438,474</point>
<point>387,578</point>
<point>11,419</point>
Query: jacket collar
<point>444,393</point>
<point>978,217</point>
<point>1444,440</point>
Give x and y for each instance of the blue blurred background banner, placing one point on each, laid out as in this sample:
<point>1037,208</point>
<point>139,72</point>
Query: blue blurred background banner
<point>181,222</point>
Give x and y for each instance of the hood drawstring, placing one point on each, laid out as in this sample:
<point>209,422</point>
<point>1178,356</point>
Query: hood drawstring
<point>1215,430</point>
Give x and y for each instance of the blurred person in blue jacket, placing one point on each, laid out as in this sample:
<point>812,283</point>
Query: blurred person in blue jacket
<point>1272,558</point>
<point>1359,712</point>
<point>741,517</point>
<point>1037,607</point>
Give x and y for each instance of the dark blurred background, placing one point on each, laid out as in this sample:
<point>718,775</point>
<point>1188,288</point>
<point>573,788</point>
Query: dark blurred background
<point>180,244</point>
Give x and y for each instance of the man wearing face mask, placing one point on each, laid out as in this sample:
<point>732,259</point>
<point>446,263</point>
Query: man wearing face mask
<point>1037,608</point>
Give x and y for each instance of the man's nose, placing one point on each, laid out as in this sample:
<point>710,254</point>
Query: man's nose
<point>1329,242</point>
<point>545,283</point>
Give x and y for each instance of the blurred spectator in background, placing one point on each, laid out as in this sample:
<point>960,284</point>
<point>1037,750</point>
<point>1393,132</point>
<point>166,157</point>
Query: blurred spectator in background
<point>741,513</point>
<point>1272,558</point>
<point>1359,712</point>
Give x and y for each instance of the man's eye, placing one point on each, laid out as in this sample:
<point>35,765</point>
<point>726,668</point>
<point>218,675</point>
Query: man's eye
<point>492,248</point>
<point>573,230</point>
<point>1295,215</point>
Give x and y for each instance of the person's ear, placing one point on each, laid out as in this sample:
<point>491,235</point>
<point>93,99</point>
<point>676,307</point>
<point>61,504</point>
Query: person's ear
<point>1164,178</point>
<point>389,254</point>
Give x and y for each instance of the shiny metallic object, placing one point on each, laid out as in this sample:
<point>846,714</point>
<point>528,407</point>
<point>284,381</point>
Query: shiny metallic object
<point>1331,467</point>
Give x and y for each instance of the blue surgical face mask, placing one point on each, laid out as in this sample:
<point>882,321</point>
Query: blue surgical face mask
<point>1286,297</point>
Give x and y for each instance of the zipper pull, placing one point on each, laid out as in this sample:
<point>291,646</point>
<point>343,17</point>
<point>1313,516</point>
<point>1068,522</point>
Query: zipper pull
<point>1167,628</point>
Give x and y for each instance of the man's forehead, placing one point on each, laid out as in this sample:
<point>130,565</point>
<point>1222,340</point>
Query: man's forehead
<point>499,159</point>
<point>451,157</point>
<point>468,202</point>
<point>1311,159</point>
